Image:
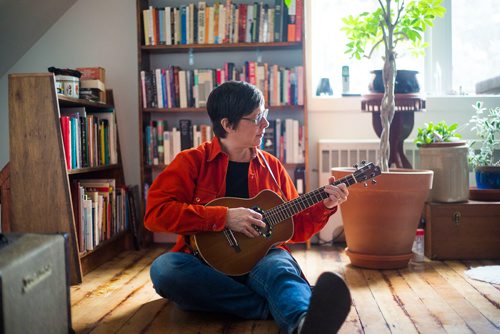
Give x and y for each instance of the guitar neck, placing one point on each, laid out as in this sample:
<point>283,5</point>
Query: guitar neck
<point>288,209</point>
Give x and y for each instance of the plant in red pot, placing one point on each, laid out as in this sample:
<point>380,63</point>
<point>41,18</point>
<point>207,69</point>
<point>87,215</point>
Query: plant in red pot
<point>380,222</point>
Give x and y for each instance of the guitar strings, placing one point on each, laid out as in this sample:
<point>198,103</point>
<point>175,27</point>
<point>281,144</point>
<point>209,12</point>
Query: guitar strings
<point>286,210</point>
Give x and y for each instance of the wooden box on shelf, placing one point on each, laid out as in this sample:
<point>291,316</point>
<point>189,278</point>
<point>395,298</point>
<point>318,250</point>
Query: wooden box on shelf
<point>462,231</point>
<point>41,184</point>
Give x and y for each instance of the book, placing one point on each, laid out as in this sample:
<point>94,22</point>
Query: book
<point>168,25</point>
<point>159,87</point>
<point>106,188</point>
<point>269,140</point>
<point>176,142</point>
<point>183,98</point>
<point>186,131</point>
<point>205,86</point>
<point>66,135</point>
<point>97,84</point>
<point>201,22</point>
<point>109,138</point>
<point>92,73</point>
<point>135,212</point>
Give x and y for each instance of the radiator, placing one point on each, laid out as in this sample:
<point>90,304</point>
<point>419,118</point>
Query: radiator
<point>346,153</point>
<point>342,153</point>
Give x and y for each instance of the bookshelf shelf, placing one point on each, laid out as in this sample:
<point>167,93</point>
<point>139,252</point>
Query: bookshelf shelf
<point>66,101</point>
<point>279,59</point>
<point>86,170</point>
<point>182,48</point>
<point>174,110</point>
<point>44,193</point>
<point>203,110</point>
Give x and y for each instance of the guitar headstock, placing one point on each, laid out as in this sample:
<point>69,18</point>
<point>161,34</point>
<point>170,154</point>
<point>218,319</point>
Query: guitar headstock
<point>366,171</point>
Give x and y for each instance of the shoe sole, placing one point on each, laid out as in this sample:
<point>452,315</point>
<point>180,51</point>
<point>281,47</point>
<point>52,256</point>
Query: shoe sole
<point>330,304</point>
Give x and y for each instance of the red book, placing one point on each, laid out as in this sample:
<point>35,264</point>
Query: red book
<point>299,19</point>
<point>251,73</point>
<point>242,22</point>
<point>291,32</point>
<point>66,137</point>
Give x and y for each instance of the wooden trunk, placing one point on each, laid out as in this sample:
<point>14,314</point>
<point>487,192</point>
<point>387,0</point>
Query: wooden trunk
<point>462,231</point>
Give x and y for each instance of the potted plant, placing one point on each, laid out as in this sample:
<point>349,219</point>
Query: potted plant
<point>381,234</point>
<point>486,124</point>
<point>442,151</point>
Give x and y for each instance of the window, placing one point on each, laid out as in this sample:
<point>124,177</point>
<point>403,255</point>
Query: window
<point>464,48</point>
<point>475,43</point>
<point>328,46</point>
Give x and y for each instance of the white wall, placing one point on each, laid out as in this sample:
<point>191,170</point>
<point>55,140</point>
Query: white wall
<point>91,33</point>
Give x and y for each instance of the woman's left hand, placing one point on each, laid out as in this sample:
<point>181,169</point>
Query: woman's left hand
<point>337,194</point>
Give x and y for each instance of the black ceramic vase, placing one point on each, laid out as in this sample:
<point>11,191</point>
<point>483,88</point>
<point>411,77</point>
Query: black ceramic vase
<point>406,82</point>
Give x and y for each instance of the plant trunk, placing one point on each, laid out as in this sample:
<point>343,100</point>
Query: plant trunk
<point>387,108</point>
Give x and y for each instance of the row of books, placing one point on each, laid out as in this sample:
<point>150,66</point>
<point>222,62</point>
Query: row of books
<point>89,137</point>
<point>224,23</point>
<point>102,209</point>
<point>174,87</point>
<point>284,138</point>
<point>162,145</point>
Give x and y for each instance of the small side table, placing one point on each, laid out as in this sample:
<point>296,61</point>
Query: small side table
<point>402,123</point>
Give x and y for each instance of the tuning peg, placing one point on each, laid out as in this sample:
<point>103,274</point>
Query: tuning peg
<point>355,166</point>
<point>374,181</point>
<point>365,184</point>
<point>363,162</point>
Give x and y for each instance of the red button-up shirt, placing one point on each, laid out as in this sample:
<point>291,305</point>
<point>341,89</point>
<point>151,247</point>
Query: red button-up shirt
<point>176,199</point>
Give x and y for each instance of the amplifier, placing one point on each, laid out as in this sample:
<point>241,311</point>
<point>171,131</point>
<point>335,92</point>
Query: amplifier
<point>34,284</point>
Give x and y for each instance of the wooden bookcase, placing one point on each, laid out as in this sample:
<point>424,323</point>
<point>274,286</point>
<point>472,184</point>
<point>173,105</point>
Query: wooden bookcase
<point>41,194</point>
<point>196,56</point>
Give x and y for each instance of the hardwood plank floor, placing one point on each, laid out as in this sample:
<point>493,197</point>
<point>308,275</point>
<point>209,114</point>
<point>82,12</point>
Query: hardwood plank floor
<point>434,297</point>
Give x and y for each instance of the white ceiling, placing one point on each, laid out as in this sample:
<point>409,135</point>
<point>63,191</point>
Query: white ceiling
<point>22,23</point>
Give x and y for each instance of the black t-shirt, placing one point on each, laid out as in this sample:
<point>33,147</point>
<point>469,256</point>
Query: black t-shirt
<point>237,179</point>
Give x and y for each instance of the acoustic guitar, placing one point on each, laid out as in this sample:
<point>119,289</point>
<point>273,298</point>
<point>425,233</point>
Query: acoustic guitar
<point>233,253</point>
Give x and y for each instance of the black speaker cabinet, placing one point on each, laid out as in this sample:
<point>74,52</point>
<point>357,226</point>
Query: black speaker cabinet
<point>34,284</point>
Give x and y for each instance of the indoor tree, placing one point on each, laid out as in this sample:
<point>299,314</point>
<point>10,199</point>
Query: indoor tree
<point>394,25</point>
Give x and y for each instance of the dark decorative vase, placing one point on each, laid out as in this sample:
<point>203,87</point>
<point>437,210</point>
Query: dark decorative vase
<point>406,82</point>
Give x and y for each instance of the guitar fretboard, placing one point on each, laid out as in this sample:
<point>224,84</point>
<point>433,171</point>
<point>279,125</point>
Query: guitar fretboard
<point>286,210</point>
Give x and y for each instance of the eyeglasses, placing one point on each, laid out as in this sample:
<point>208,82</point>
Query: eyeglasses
<point>259,117</point>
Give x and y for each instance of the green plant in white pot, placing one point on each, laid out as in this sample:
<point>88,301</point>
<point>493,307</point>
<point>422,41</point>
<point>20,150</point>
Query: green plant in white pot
<point>380,222</point>
<point>441,132</point>
<point>486,125</point>
<point>442,151</point>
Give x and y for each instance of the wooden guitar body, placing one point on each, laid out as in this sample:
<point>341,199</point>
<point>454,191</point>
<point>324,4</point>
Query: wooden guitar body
<point>233,253</point>
<point>216,249</point>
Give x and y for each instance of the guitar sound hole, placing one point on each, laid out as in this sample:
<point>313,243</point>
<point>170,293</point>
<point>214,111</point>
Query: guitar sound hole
<point>267,231</point>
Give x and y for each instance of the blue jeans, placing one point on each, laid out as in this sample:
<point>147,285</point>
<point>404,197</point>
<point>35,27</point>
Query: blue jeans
<point>273,287</point>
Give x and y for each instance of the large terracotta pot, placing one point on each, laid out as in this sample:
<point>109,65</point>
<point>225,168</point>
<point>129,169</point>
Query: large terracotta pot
<point>380,221</point>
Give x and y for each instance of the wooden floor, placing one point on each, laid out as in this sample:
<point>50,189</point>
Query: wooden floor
<point>432,298</point>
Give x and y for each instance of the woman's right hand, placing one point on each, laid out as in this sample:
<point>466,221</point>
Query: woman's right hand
<point>243,220</point>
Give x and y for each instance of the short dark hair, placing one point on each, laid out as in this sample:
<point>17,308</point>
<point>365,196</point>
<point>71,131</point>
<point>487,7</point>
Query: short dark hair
<point>232,100</point>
